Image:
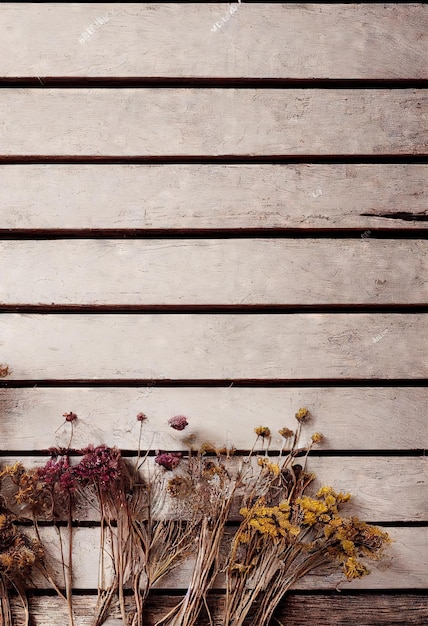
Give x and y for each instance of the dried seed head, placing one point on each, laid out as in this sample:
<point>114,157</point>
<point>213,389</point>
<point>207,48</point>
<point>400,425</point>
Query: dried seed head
<point>286,433</point>
<point>302,414</point>
<point>70,417</point>
<point>179,487</point>
<point>262,431</point>
<point>141,417</point>
<point>4,371</point>
<point>317,437</point>
<point>179,422</point>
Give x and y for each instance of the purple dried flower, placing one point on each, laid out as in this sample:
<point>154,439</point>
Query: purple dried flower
<point>102,465</point>
<point>168,460</point>
<point>179,422</point>
<point>141,417</point>
<point>58,474</point>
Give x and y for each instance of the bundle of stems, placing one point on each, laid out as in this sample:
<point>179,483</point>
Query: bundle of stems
<point>18,556</point>
<point>44,493</point>
<point>285,534</point>
<point>151,521</point>
<point>161,544</point>
<point>213,488</point>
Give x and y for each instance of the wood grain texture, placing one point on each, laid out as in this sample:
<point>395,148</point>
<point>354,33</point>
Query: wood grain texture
<point>207,272</point>
<point>369,418</point>
<point>383,489</point>
<point>296,610</point>
<point>128,39</point>
<point>404,565</point>
<point>201,346</point>
<point>192,122</point>
<point>213,196</point>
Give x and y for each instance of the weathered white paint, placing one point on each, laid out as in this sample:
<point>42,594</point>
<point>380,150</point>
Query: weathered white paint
<point>211,196</point>
<point>194,346</point>
<point>186,122</point>
<point>178,39</point>
<point>231,271</point>
<point>366,418</point>
<point>404,565</point>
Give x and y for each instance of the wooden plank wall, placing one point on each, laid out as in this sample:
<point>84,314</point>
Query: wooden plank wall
<point>223,217</point>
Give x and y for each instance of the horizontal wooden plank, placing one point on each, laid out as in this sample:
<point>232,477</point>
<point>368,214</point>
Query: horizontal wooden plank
<point>384,489</point>
<point>192,122</point>
<point>202,346</point>
<point>302,40</point>
<point>231,271</point>
<point>296,610</point>
<point>404,565</point>
<point>365,418</point>
<point>212,196</point>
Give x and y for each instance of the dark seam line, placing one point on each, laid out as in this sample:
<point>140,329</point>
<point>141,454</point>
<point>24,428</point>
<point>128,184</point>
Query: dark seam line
<point>43,234</point>
<point>207,82</point>
<point>229,524</point>
<point>217,383</point>
<point>208,309</point>
<point>245,159</point>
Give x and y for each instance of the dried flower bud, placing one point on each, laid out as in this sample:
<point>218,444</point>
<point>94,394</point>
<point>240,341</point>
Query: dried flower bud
<point>4,371</point>
<point>302,415</point>
<point>179,422</point>
<point>168,460</point>
<point>141,417</point>
<point>317,437</point>
<point>262,431</point>
<point>286,433</point>
<point>70,417</point>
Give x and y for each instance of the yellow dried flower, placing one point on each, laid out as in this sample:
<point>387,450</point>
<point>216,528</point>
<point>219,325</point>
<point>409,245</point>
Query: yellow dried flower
<point>317,438</point>
<point>348,547</point>
<point>243,537</point>
<point>273,468</point>
<point>262,431</point>
<point>330,501</point>
<point>324,491</point>
<point>354,568</point>
<point>302,414</point>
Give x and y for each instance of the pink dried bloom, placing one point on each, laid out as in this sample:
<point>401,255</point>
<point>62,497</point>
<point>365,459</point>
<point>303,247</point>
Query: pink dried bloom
<point>168,460</point>
<point>179,422</point>
<point>70,417</point>
<point>141,417</point>
<point>101,465</point>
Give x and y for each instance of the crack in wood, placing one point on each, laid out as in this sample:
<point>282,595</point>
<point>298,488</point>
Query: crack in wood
<point>400,215</point>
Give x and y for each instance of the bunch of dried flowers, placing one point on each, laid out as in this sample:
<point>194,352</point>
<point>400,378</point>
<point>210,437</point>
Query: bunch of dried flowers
<point>155,515</point>
<point>18,556</point>
<point>285,534</point>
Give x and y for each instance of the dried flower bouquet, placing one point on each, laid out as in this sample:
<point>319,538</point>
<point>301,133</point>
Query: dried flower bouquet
<point>154,516</point>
